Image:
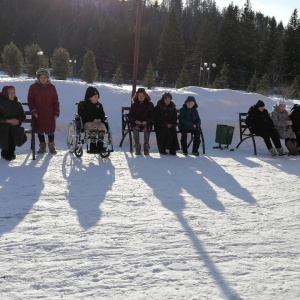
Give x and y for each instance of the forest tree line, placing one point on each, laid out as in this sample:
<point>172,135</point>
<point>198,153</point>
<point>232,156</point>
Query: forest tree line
<point>247,48</point>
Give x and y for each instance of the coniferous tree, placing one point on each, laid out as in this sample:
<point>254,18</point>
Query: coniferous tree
<point>171,49</point>
<point>294,90</point>
<point>33,60</point>
<point>118,76</point>
<point>61,64</point>
<point>252,87</point>
<point>221,81</point>
<point>13,61</point>
<point>149,80</point>
<point>263,86</point>
<point>89,72</point>
<point>183,79</point>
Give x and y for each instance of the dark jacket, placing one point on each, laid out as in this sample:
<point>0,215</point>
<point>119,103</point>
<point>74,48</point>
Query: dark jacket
<point>295,118</point>
<point>89,111</point>
<point>43,100</point>
<point>163,115</point>
<point>141,111</point>
<point>189,117</point>
<point>260,123</point>
<point>11,109</point>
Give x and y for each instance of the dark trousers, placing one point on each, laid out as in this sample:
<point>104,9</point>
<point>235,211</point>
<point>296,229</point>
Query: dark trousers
<point>11,145</point>
<point>196,140</point>
<point>275,139</point>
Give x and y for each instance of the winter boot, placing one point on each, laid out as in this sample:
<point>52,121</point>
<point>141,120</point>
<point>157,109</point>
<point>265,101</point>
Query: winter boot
<point>292,148</point>
<point>137,149</point>
<point>273,151</point>
<point>280,151</point>
<point>146,149</point>
<point>42,149</point>
<point>52,149</point>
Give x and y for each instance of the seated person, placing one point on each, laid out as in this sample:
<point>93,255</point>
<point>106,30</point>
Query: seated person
<point>141,119</point>
<point>295,118</point>
<point>11,117</point>
<point>93,116</point>
<point>261,124</point>
<point>283,125</point>
<point>189,121</point>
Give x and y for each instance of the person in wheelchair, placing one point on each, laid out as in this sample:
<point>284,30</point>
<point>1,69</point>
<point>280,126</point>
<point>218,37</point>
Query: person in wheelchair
<point>93,117</point>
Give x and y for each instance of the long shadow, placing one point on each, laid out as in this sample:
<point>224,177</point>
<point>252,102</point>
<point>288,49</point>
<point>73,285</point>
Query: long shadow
<point>87,185</point>
<point>168,183</point>
<point>20,187</point>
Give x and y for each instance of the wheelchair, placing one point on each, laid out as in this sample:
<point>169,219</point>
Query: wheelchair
<point>77,137</point>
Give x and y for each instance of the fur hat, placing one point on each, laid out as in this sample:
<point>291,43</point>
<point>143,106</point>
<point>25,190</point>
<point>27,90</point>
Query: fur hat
<point>190,99</point>
<point>260,103</point>
<point>90,92</point>
<point>166,95</point>
<point>281,102</point>
<point>42,71</point>
<point>5,90</point>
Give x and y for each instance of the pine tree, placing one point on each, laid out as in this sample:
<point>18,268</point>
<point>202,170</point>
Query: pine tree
<point>294,90</point>
<point>263,86</point>
<point>221,81</point>
<point>89,72</point>
<point>61,64</point>
<point>118,76</point>
<point>149,80</point>
<point>13,61</point>
<point>34,61</point>
<point>183,79</point>
<point>253,83</point>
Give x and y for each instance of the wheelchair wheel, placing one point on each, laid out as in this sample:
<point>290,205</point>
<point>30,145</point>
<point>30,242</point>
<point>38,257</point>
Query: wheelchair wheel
<point>72,136</point>
<point>78,151</point>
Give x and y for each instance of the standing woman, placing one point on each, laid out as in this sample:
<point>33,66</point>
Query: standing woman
<point>165,122</point>
<point>44,106</point>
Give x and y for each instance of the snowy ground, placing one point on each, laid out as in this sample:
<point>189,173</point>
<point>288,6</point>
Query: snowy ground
<point>221,226</point>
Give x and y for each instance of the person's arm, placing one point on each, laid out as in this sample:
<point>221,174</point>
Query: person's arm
<point>31,101</point>
<point>55,103</point>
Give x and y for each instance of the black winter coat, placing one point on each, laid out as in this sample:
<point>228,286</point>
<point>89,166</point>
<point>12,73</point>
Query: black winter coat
<point>295,117</point>
<point>11,109</point>
<point>141,112</point>
<point>260,123</point>
<point>89,111</point>
<point>166,137</point>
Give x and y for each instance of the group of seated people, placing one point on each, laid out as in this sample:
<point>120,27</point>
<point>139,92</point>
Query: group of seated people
<point>279,124</point>
<point>143,115</point>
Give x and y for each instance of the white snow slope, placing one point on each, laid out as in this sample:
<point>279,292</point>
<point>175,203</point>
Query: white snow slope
<point>224,225</point>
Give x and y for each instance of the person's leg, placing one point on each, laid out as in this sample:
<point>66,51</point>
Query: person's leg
<point>146,142</point>
<point>41,137</point>
<point>196,143</point>
<point>51,143</point>
<point>136,138</point>
<point>183,142</point>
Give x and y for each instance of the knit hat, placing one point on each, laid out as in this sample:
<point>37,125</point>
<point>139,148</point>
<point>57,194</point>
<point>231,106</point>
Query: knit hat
<point>5,90</point>
<point>259,104</point>
<point>281,102</point>
<point>167,95</point>
<point>90,92</point>
<point>190,99</point>
<point>42,71</point>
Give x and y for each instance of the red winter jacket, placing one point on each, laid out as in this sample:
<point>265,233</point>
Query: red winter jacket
<point>43,100</point>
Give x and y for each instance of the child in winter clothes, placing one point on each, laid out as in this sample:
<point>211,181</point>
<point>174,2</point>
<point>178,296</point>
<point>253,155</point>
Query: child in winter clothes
<point>190,122</point>
<point>260,123</point>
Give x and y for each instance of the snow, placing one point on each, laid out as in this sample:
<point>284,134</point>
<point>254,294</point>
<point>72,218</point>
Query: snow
<point>224,225</point>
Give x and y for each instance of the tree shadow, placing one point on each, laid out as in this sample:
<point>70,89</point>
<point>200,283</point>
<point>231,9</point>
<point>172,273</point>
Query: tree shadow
<point>88,185</point>
<point>169,184</point>
<point>19,191</point>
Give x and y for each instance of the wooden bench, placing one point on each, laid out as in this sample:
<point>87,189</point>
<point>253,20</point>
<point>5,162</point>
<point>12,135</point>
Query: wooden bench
<point>127,131</point>
<point>245,132</point>
<point>28,124</point>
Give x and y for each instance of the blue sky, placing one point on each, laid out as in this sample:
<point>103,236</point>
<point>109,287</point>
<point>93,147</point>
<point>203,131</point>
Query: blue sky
<point>280,9</point>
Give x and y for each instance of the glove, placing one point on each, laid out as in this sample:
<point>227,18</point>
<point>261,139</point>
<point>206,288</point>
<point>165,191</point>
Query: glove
<point>289,122</point>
